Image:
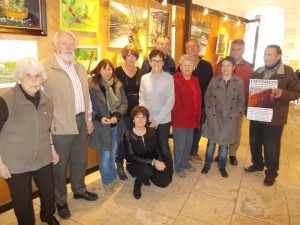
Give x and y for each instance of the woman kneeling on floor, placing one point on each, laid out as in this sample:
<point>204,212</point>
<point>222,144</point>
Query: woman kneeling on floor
<point>143,155</point>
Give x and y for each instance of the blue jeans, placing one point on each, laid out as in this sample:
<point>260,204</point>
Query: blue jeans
<point>209,156</point>
<point>197,134</point>
<point>107,159</point>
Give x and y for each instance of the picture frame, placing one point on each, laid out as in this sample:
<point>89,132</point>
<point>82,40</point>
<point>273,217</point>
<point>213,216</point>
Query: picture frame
<point>200,30</point>
<point>222,41</point>
<point>31,21</point>
<point>127,25</point>
<point>11,52</point>
<point>158,25</point>
<point>79,15</point>
<point>88,55</point>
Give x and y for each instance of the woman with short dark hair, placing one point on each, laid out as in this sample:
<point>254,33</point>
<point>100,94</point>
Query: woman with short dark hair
<point>144,159</point>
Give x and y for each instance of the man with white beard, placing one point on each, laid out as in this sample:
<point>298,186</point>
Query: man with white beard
<point>72,121</point>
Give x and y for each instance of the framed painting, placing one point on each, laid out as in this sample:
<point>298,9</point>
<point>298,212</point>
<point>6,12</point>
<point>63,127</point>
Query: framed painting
<point>200,30</point>
<point>23,17</point>
<point>222,41</point>
<point>158,25</point>
<point>11,52</point>
<point>80,15</point>
<point>128,24</point>
<point>88,55</point>
<point>120,61</point>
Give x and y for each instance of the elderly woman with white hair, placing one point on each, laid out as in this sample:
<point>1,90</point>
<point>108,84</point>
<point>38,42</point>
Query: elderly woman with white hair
<point>186,113</point>
<point>26,149</point>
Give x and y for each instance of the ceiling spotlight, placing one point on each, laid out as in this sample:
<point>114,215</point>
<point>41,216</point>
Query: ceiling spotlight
<point>164,2</point>
<point>205,12</point>
<point>238,23</point>
<point>225,18</point>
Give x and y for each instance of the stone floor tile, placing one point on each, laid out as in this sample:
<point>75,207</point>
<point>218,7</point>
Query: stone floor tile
<point>182,220</point>
<point>294,211</point>
<point>208,209</point>
<point>288,190</point>
<point>262,206</point>
<point>243,220</point>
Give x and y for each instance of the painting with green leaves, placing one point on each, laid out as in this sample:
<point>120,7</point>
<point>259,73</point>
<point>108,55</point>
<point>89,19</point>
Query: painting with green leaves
<point>81,15</point>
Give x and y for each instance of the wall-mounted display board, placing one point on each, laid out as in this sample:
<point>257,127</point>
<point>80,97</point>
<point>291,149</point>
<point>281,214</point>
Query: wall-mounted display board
<point>80,15</point>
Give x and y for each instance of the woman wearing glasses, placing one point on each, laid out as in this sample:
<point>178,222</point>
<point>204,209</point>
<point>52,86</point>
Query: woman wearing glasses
<point>109,106</point>
<point>157,95</point>
<point>185,114</point>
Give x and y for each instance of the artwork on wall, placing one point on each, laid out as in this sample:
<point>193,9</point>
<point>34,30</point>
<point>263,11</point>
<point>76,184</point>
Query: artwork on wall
<point>222,44</point>
<point>158,25</point>
<point>23,17</point>
<point>200,30</point>
<point>120,61</point>
<point>11,52</point>
<point>229,48</point>
<point>128,24</point>
<point>80,15</point>
<point>88,55</point>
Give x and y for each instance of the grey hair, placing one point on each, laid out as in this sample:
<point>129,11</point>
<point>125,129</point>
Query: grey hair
<point>187,57</point>
<point>238,42</point>
<point>29,65</point>
<point>60,32</point>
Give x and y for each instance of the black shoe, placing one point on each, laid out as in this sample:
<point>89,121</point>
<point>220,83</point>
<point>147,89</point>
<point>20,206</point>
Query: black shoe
<point>63,211</point>
<point>121,173</point>
<point>204,170</point>
<point>233,160</point>
<point>224,173</point>
<point>52,221</point>
<point>269,181</point>
<point>89,196</point>
<point>146,183</point>
<point>137,190</point>
<point>216,159</point>
<point>253,168</point>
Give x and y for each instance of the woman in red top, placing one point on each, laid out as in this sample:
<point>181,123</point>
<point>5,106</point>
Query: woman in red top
<point>185,114</point>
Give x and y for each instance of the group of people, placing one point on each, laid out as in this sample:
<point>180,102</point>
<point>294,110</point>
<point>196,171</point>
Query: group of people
<point>128,113</point>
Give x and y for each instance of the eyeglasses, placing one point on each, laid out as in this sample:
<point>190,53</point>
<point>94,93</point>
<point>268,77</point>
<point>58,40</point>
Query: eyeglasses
<point>156,61</point>
<point>33,77</point>
<point>187,65</point>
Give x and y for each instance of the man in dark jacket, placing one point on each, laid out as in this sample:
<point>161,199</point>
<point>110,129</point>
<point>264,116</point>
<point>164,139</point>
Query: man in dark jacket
<point>268,134</point>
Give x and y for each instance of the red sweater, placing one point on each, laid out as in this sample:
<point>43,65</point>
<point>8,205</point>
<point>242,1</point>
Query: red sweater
<point>186,112</point>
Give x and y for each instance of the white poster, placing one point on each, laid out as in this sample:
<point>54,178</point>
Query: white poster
<point>261,99</point>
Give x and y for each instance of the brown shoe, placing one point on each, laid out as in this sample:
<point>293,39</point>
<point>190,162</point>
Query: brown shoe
<point>197,158</point>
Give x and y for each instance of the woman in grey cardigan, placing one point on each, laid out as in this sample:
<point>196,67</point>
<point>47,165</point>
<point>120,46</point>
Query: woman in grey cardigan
<point>224,105</point>
<point>109,106</point>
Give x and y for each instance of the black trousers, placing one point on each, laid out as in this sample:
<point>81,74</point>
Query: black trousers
<point>21,193</point>
<point>268,136</point>
<point>163,133</point>
<point>145,172</point>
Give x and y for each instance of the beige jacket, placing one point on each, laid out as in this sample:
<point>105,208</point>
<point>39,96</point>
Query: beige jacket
<point>60,87</point>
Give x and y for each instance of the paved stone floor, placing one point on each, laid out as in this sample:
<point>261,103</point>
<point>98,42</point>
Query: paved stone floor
<point>198,199</point>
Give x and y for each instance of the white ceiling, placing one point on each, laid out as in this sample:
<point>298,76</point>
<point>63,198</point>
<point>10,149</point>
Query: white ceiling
<point>242,7</point>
